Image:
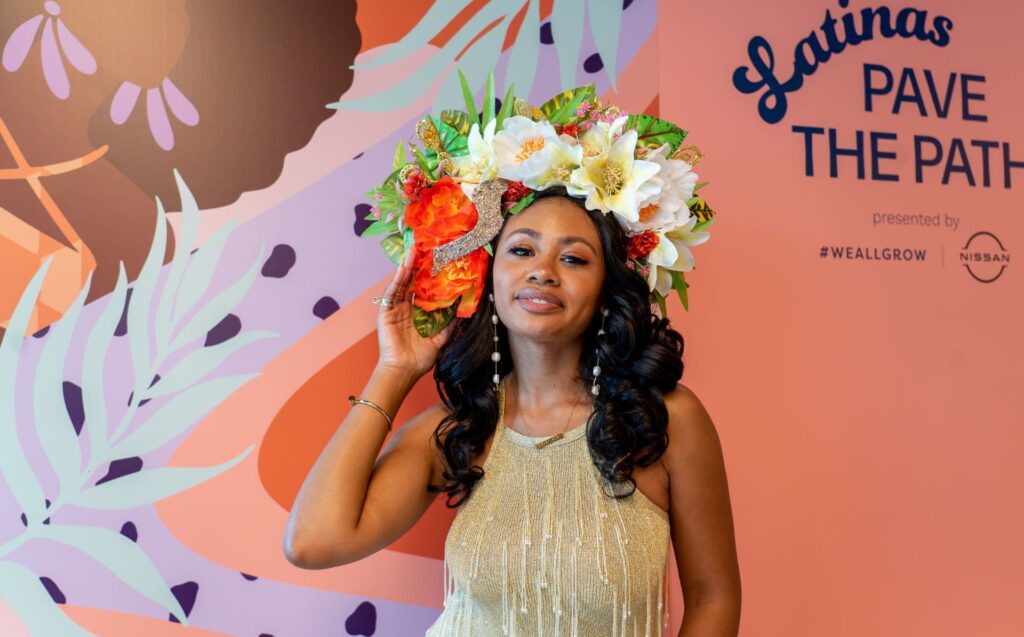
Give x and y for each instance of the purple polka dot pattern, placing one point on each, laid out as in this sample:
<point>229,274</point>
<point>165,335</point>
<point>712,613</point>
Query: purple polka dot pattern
<point>55,593</point>
<point>121,468</point>
<point>325,307</point>
<point>229,327</point>
<point>251,578</point>
<point>73,404</point>
<point>41,333</point>
<point>363,620</point>
<point>122,326</point>
<point>129,531</point>
<point>626,3</point>
<point>361,223</point>
<point>185,593</point>
<point>280,261</point>
<point>24,519</point>
<point>547,36</point>
<point>593,64</point>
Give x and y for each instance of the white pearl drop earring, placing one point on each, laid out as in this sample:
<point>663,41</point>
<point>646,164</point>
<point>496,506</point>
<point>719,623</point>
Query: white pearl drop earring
<point>595,389</point>
<point>495,355</point>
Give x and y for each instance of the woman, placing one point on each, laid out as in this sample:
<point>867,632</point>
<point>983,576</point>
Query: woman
<point>570,475</point>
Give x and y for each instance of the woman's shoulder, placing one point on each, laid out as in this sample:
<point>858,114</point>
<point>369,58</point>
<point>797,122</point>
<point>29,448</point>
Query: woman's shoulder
<point>688,419</point>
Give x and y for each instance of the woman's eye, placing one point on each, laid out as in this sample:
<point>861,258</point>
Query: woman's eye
<point>574,260</point>
<point>519,251</point>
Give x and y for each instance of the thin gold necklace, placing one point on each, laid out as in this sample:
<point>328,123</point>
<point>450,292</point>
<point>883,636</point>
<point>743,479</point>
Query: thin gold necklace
<point>556,437</point>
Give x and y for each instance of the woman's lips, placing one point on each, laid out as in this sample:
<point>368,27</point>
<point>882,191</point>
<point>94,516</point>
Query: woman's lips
<point>535,301</point>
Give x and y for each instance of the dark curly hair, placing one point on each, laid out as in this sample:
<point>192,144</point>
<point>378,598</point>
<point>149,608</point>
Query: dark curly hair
<point>640,359</point>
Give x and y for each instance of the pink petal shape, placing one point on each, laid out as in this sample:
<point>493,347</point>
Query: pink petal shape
<point>124,102</point>
<point>159,125</point>
<point>53,66</point>
<point>180,105</point>
<point>52,7</point>
<point>20,43</point>
<point>75,51</point>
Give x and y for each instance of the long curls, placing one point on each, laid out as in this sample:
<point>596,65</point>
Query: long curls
<point>640,359</point>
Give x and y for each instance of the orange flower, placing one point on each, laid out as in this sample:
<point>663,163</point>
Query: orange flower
<point>441,213</point>
<point>463,278</point>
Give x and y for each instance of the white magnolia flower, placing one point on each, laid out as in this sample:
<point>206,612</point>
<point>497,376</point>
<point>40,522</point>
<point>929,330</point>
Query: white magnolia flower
<point>531,152</point>
<point>597,139</point>
<point>673,253</point>
<point>480,164</point>
<point>667,206</point>
<point>614,181</point>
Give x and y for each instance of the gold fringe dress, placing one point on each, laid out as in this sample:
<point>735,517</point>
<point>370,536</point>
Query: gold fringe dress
<point>540,550</point>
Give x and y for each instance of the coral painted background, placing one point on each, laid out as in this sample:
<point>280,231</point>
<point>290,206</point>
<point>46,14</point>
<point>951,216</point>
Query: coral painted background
<point>185,301</point>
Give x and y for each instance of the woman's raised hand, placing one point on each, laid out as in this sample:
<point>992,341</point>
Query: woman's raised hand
<point>401,346</point>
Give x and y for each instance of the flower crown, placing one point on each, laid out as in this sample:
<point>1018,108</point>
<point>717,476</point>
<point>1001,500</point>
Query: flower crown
<point>448,201</point>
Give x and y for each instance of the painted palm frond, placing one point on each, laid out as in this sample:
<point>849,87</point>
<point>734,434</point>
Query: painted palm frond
<point>191,396</point>
<point>477,46</point>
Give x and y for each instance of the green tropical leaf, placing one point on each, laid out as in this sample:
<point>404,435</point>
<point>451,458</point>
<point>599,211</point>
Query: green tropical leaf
<point>521,204</point>
<point>460,121</point>
<point>431,322</point>
<point>52,422</point>
<point>488,114</point>
<point>679,284</point>
<point>661,304</point>
<point>24,592</point>
<point>195,365</point>
<point>506,106</point>
<point>653,132</point>
<point>142,295</point>
<point>467,96</point>
<point>394,247</point>
<point>14,466</point>
<point>399,159</point>
<point>184,241</point>
<point>201,267</point>
<point>94,397</point>
<point>178,415</point>
<point>561,108</point>
<point>148,486</point>
<point>450,139</point>
<point>567,29</point>
<point>120,556</point>
<point>218,307</point>
<point>380,227</point>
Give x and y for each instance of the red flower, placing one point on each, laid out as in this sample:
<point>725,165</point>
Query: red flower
<point>414,185</point>
<point>642,244</point>
<point>569,129</point>
<point>441,213</point>
<point>463,277</point>
<point>516,191</point>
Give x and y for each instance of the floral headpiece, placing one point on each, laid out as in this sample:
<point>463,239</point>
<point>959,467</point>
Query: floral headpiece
<point>449,200</point>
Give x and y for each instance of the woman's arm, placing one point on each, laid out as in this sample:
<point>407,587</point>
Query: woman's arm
<point>353,503</point>
<point>701,518</point>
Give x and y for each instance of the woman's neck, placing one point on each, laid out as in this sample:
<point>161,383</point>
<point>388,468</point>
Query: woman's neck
<point>546,374</point>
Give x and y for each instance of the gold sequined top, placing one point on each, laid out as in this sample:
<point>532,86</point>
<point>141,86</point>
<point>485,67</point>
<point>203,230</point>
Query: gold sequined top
<point>539,550</point>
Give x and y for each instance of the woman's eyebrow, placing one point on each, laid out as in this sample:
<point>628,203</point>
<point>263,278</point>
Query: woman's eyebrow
<point>566,240</point>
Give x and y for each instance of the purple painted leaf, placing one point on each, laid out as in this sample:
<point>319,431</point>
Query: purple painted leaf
<point>53,66</point>
<point>159,125</point>
<point>180,105</point>
<point>20,43</point>
<point>75,51</point>
<point>124,102</point>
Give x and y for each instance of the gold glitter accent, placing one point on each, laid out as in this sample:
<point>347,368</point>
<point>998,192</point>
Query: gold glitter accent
<point>528,148</point>
<point>689,154</point>
<point>613,111</point>
<point>487,199</point>
<point>406,170</point>
<point>445,162</point>
<point>428,135</point>
<point>526,109</point>
<point>613,178</point>
<point>542,549</point>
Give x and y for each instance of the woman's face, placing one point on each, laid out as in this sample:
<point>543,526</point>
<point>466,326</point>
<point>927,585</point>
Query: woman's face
<point>548,271</point>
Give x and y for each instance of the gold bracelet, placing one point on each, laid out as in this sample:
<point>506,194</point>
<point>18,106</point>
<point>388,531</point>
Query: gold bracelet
<point>352,400</point>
